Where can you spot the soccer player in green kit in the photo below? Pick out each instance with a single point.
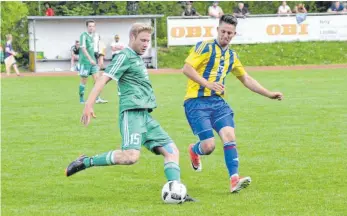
(87, 62)
(136, 101)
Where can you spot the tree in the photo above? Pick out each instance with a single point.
(17, 25)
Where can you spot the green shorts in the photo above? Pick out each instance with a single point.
(86, 70)
(138, 128)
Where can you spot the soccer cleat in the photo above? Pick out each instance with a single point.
(238, 183)
(190, 199)
(101, 101)
(195, 159)
(75, 166)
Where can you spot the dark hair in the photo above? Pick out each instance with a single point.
(77, 41)
(227, 18)
(89, 21)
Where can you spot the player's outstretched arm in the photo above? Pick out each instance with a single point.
(88, 111)
(254, 86)
(191, 73)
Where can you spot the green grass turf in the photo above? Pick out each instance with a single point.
(294, 150)
(293, 53)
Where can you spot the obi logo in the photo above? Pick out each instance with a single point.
(191, 31)
(287, 29)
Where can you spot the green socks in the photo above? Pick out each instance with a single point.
(81, 90)
(172, 171)
(104, 159)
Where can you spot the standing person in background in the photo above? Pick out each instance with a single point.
(284, 8)
(336, 7)
(75, 51)
(9, 60)
(215, 11)
(300, 8)
(96, 39)
(102, 53)
(189, 10)
(116, 46)
(301, 13)
(49, 9)
(87, 60)
(241, 11)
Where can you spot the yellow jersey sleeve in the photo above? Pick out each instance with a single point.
(198, 54)
(237, 69)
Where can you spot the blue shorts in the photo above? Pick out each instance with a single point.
(207, 113)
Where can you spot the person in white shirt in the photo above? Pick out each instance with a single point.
(284, 8)
(215, 11)
(96, 38)
(116, 46)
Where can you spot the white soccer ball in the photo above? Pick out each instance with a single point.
(174, 192)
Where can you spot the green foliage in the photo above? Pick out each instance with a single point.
(84, 9)
(295, 53)
(13, 21)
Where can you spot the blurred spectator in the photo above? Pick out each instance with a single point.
(102, 53)
(215, 11)
(284, 8)
(75, 51)
(301, 13)
(9, 60)
(49, 9)
(132, 7)
(189, 10)
(336, 7)
(300, 8)
(116, 46)
(241, 11)
(96, 38)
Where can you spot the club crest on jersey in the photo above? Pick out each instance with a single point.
(220, 69)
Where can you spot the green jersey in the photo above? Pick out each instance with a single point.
(87, 41)
(134, 87)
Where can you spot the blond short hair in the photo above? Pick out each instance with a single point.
(137, 28)
(8, 36)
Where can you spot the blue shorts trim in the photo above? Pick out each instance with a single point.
(208, 113)
(204, 135)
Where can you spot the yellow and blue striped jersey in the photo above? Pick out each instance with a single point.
(213, 63)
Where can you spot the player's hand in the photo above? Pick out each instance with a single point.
(218, 87)
(92, 62)
(276, 96)
(88, 113)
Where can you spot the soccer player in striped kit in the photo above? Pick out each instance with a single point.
(207, 66)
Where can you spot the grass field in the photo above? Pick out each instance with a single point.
(294, 150)
(270, 54)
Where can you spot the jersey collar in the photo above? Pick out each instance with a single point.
(131, 50)
(224, 50)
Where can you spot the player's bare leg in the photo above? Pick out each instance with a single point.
(237, 183)
(101, 63)
(72, 63)
(116, 157)
(15, 67)
(171, 164)
(203, 147)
